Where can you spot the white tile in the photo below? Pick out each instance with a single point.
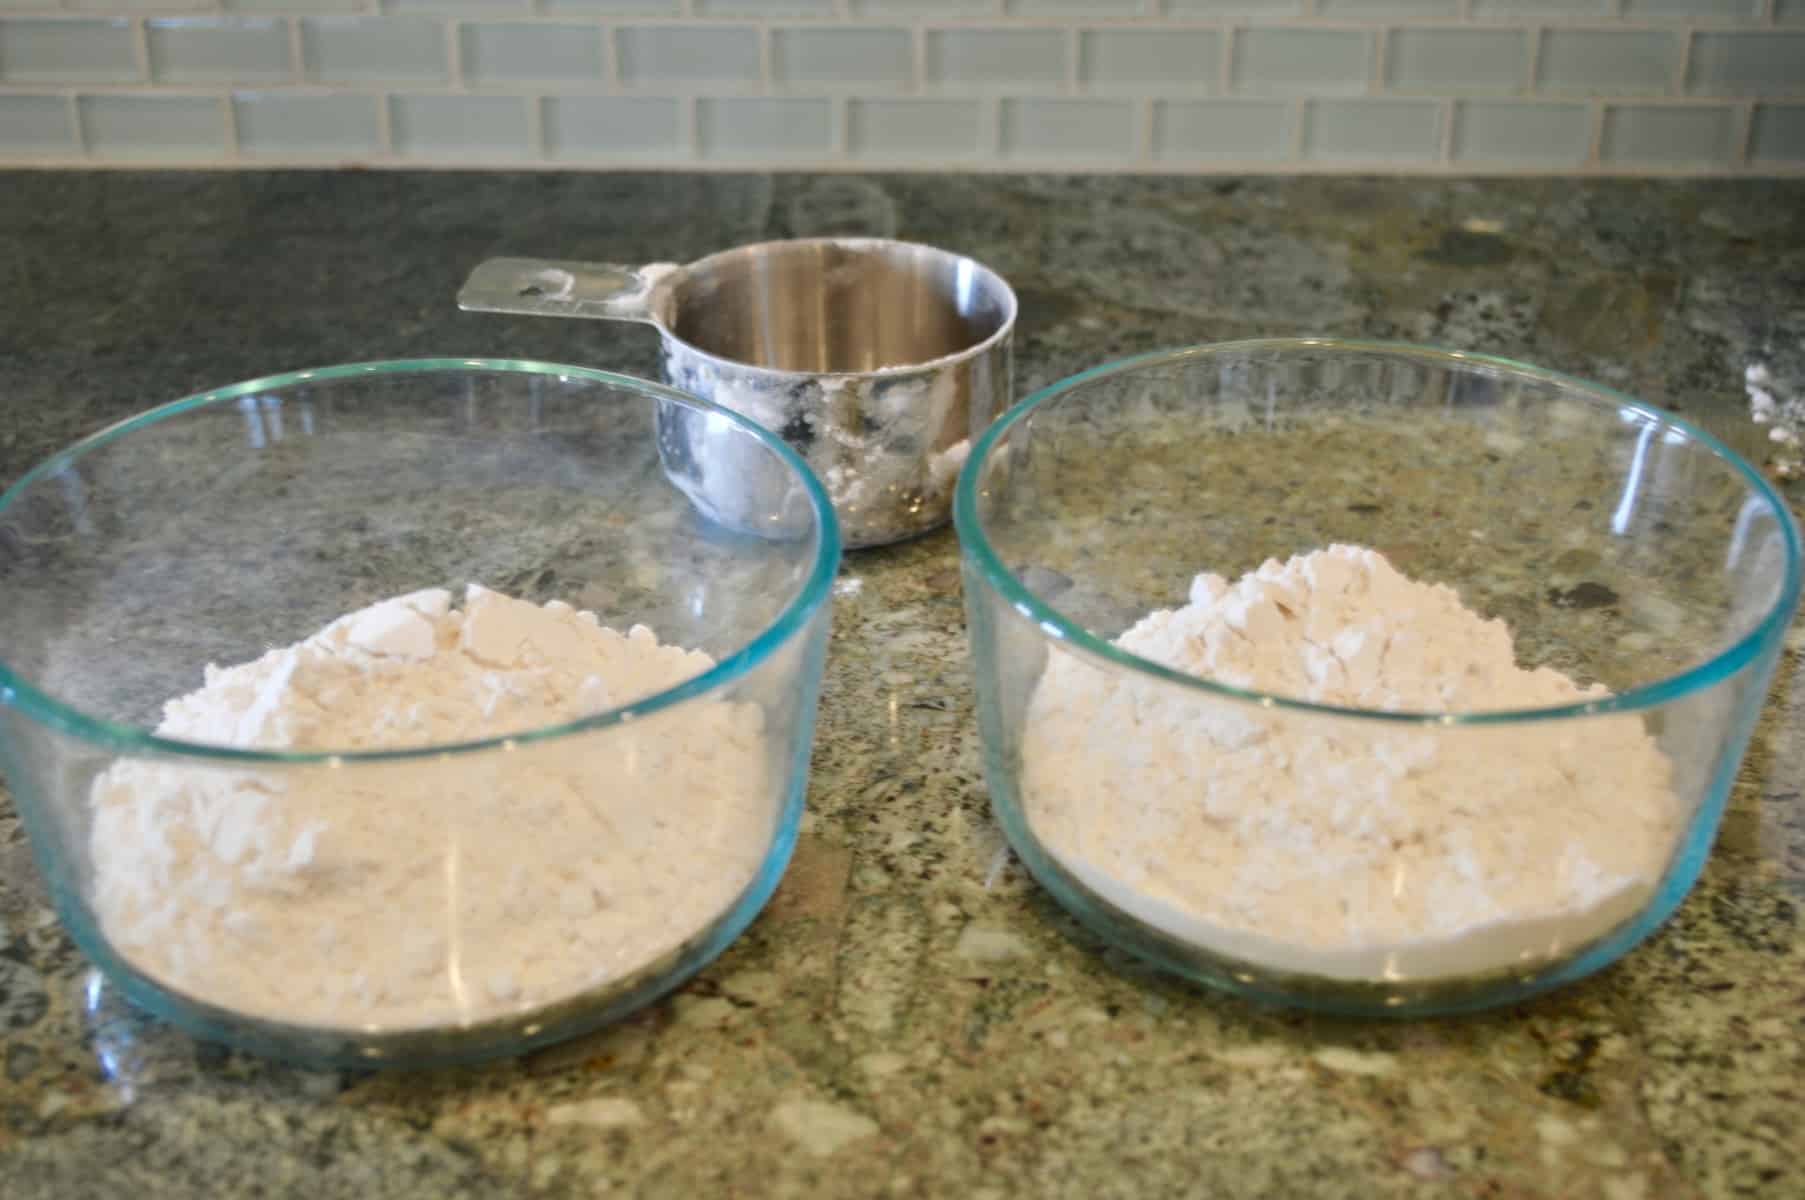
(1594, 60)
(661, 55)
(614, 8)
(1089, 9)
(382, 49)
(1778, 135)
(1363, 9)
(307, 125)
(1084, 129)
(1786, 11)
(996, 57)
(1692, 10)
(764, 8)
(1542, 133)
(33, 126)
(450, 127)
(1150, 59)
(761, 128)
(218, 49)
(1667, 135)
(880, 59)
(1375, 131)
(87, 51)
(928, 131)
(145, 126)
(1221, 129)
(1543, 10)
(1320, 61)
(1210, 9)
(456, 8)
(898, 9)
(123, 7)
(9, 5)
(1747, 64)
(1457, 60)
(543, 52)
(299, 7)
(613, 127)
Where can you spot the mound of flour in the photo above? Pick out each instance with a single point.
(1334, 846)
(431, 891)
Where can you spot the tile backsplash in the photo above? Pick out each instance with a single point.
(1451, 86)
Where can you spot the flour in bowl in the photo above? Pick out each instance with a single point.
(434, 890)
(1336, 846)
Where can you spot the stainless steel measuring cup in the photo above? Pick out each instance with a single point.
(879, 361)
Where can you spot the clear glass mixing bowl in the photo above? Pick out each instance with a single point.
(1623, 546)
(215, 527)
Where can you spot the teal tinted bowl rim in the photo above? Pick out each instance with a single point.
(118, 736)
(994, 573)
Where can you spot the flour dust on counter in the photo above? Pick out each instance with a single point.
(1336, 845)
(433, 889)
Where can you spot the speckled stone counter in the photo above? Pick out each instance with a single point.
(911, 1016)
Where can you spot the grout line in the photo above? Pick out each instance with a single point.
(1230, 35)
(837, 140)
(990, 126)
(766, 75)
(535, 128)
(1595, 142)
(1379, 53)
(1143, 134)
(297, 59)
(1534, 66)
(919, 49)
(141, 49)
(1179, 167)
(385, 125)
(1742, 139)
(80, 126)
(1299, 115)
(1073, 48)
(610, 60)
(1446, 154)
(1685, 67)
(689, 127)
(229, 114)
(454, 52)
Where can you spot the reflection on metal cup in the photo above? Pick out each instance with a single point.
(877, 360)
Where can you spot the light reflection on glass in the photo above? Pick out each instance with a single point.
(1752, 508)
(1626, 508)
(253, 424)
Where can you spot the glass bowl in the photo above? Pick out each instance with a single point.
(213, 528)
(1623, 547)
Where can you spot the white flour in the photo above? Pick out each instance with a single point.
(1337, 846)
(440, 890)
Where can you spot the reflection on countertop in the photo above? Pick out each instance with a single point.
(911, 1016)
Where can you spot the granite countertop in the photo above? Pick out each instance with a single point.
(911, 1016)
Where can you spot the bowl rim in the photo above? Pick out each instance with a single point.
(671, 284)
(816, 589)
(976, 548)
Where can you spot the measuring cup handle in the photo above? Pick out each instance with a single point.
(553, 288)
